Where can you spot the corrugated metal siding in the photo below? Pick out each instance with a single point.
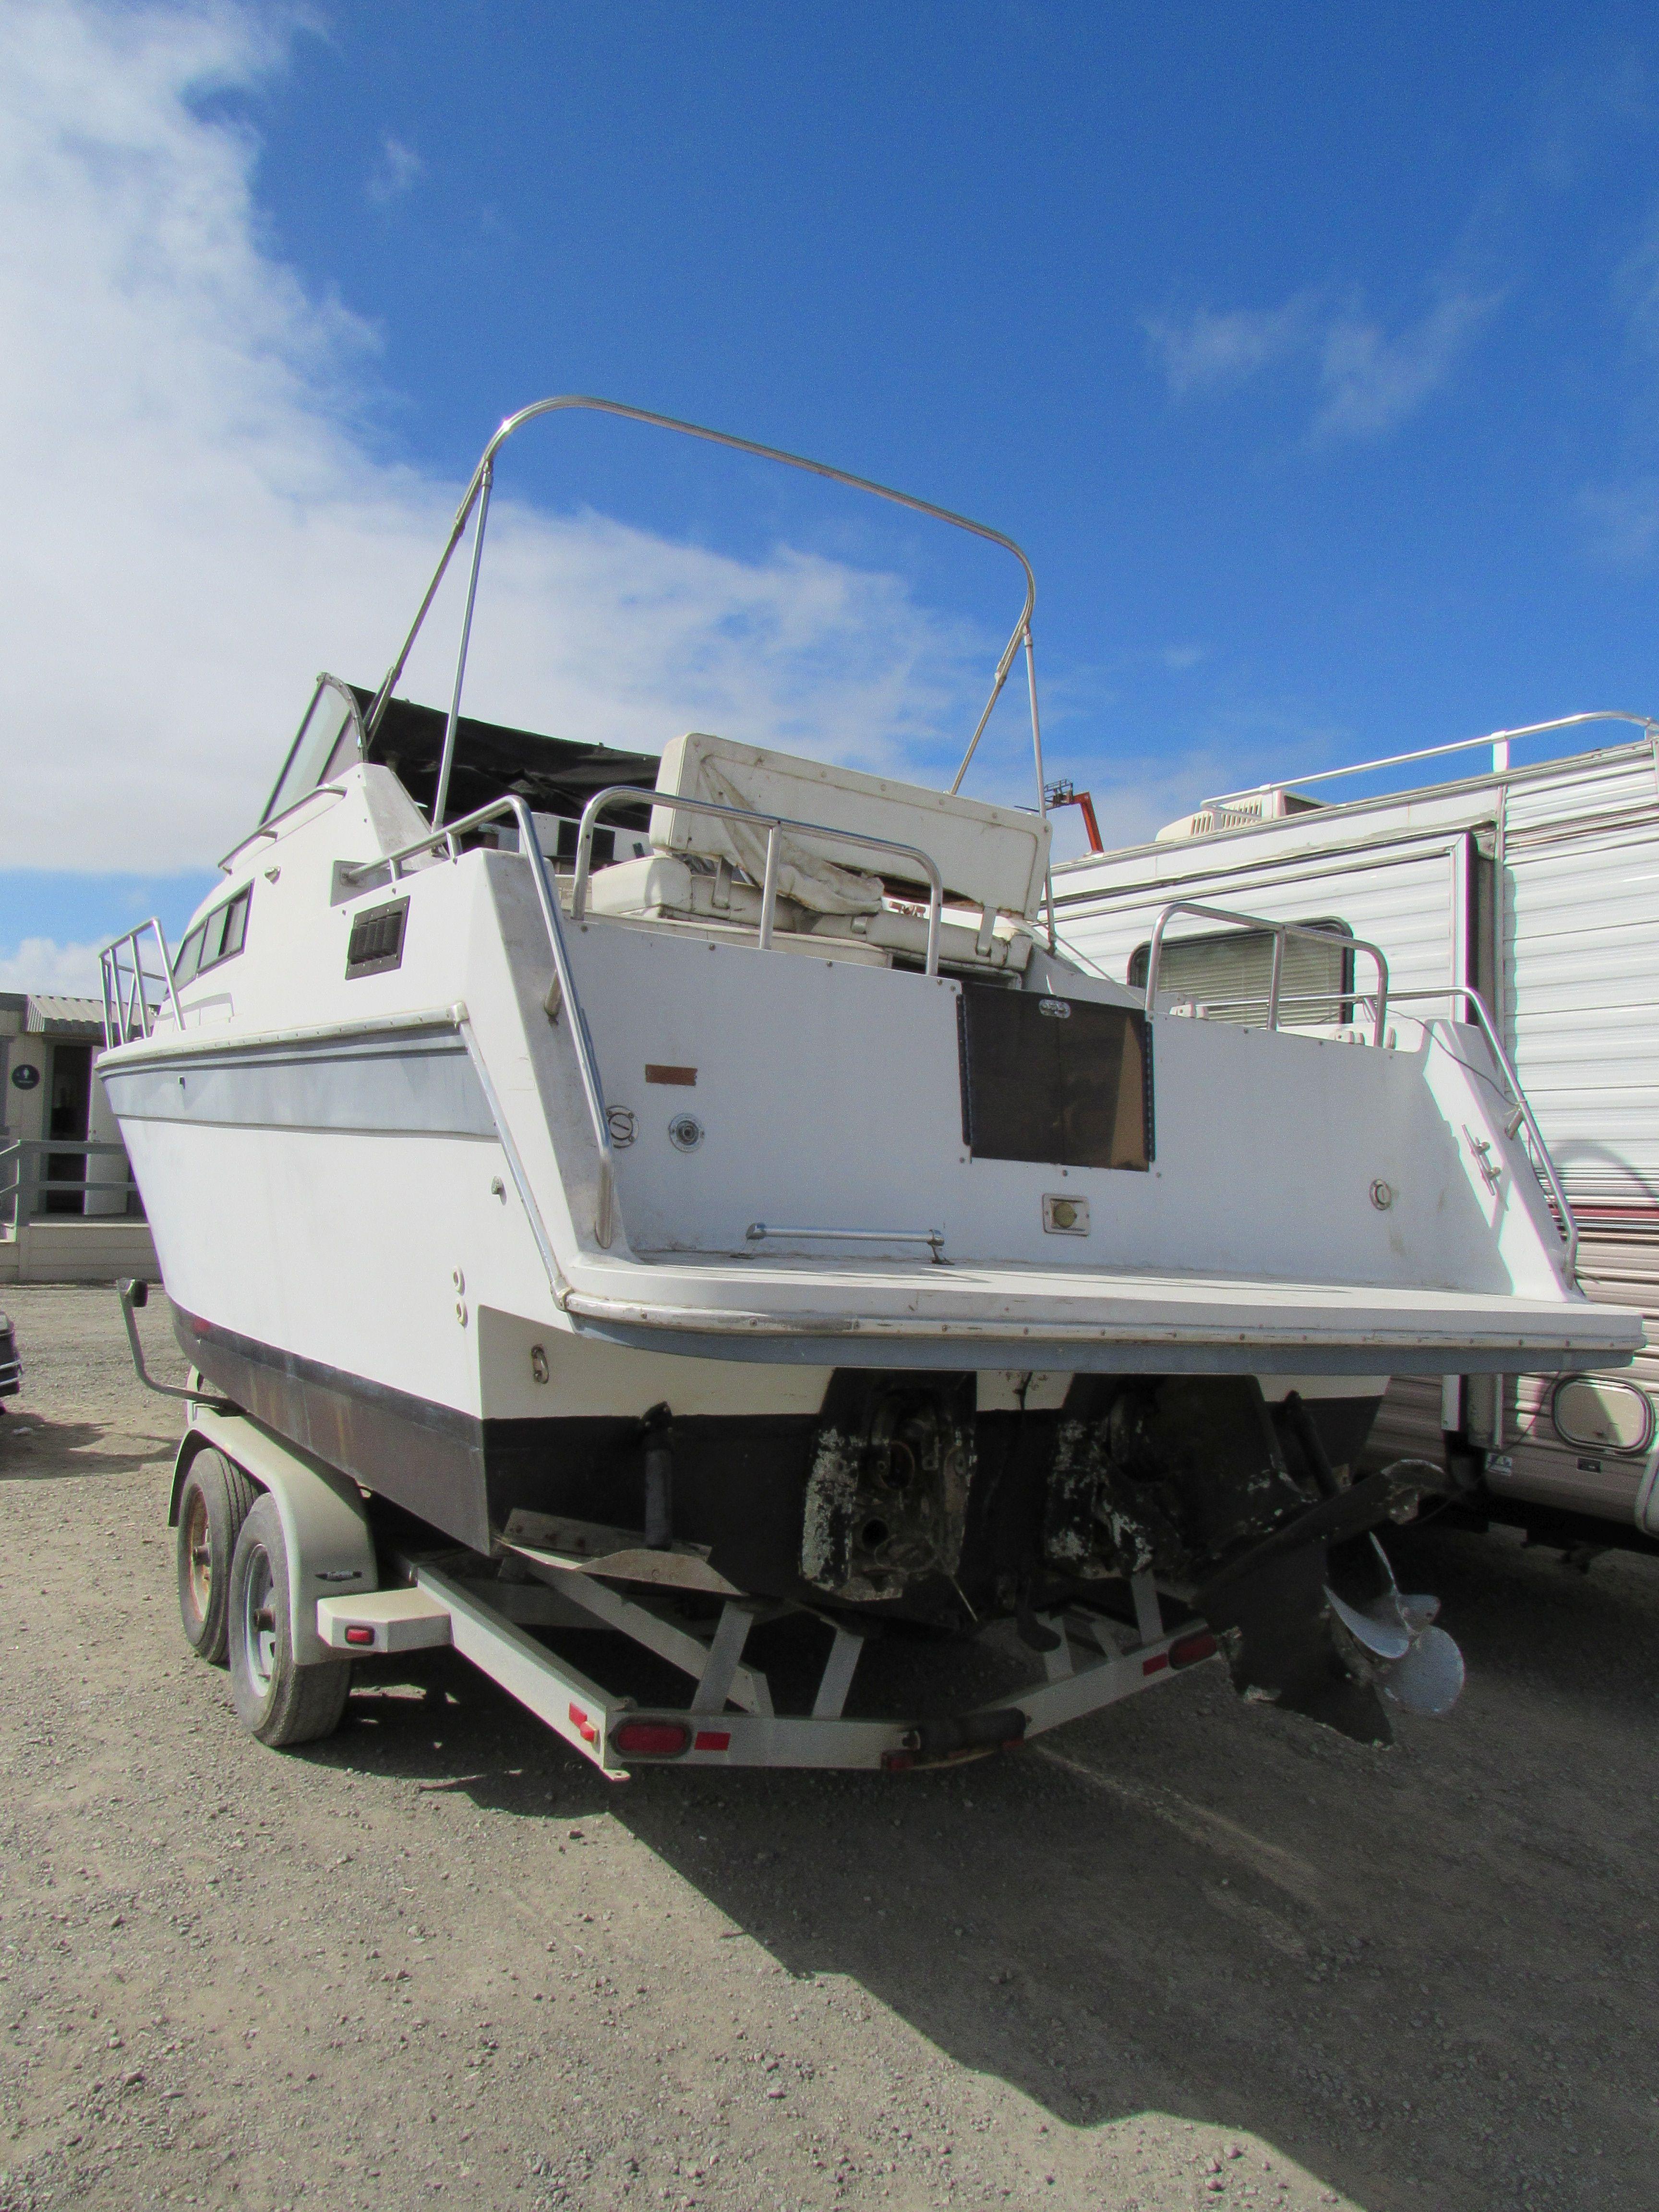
(1401, 902)
(1578, 791)
(1580, 957)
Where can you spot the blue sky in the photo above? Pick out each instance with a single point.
(1313, 355)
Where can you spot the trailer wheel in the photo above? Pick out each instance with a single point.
(276, 1701)
(215, 1500)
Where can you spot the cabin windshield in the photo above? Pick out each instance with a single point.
(556, 775)
(329, 739)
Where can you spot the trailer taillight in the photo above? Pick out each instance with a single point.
(1187, 1651)
(652, 1739)
(360, 1635)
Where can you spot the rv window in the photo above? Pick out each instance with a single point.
(1226, 974)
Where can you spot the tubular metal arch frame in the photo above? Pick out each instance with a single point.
(477, 495)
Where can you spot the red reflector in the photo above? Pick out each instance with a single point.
(713, 1739)
(659, 1739)
(583, 1727)
(897, 1762)
(1155, 1665)
(360, 1636)
(1187, 1651)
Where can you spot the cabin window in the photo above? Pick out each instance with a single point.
(1226, 974)
(1067, 1082)
(219, 937)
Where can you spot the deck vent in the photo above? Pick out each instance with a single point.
(377, 940)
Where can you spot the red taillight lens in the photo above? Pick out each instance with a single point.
(1187, 1651)
(652, 1739)
(360, 1636)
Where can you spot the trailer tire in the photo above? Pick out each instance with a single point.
(278, 1702)
(214, 1499)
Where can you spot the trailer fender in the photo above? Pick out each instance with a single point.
(330, 1552)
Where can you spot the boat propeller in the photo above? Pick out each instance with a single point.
(1392, 1644)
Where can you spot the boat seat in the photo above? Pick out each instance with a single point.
(668, 887)
(668, 883)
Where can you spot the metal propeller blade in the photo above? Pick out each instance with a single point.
(1378, 1630)
(1429, 1679)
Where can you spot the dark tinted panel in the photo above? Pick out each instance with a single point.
(235, 930)
(1064, 1081)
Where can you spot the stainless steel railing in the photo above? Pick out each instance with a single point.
(478, 496)
(129, 1009)
(1543, 1163)
(1281, 931)
(1497, 742)
(25, 1192)
(774, 825)
(547, 897)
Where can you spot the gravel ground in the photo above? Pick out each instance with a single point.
(1188, 1952)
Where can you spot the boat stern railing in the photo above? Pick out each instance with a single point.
(1281, 932)
(1521, 1116)
(129, 1009)
(447, 839)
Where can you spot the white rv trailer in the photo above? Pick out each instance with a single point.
(1535, 885)
(759, 1215)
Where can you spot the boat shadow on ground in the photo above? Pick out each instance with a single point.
(1390, 1965)
(35, 1449)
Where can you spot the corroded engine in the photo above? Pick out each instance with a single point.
(915, 1500)
(887, 1498)
(1165, 1473)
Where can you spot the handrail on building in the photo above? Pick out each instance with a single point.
(1497, 740)
(129, 1012)
(20, 1161)
(774, 825)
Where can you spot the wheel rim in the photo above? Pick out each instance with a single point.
(259, 1621)
(199, 1552)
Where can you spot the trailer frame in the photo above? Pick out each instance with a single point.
(350, 1596)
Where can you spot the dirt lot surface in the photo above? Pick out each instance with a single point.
(1194, 1953)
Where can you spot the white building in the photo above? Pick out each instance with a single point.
(67, 1210)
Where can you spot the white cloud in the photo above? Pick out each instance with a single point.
(1622, 520)
(1207, 351)
(1367, 380)
(49, 969)
(1371, 382)
(398, 171)
(193, 526)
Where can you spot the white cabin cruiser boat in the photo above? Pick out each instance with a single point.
(704, 1176)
